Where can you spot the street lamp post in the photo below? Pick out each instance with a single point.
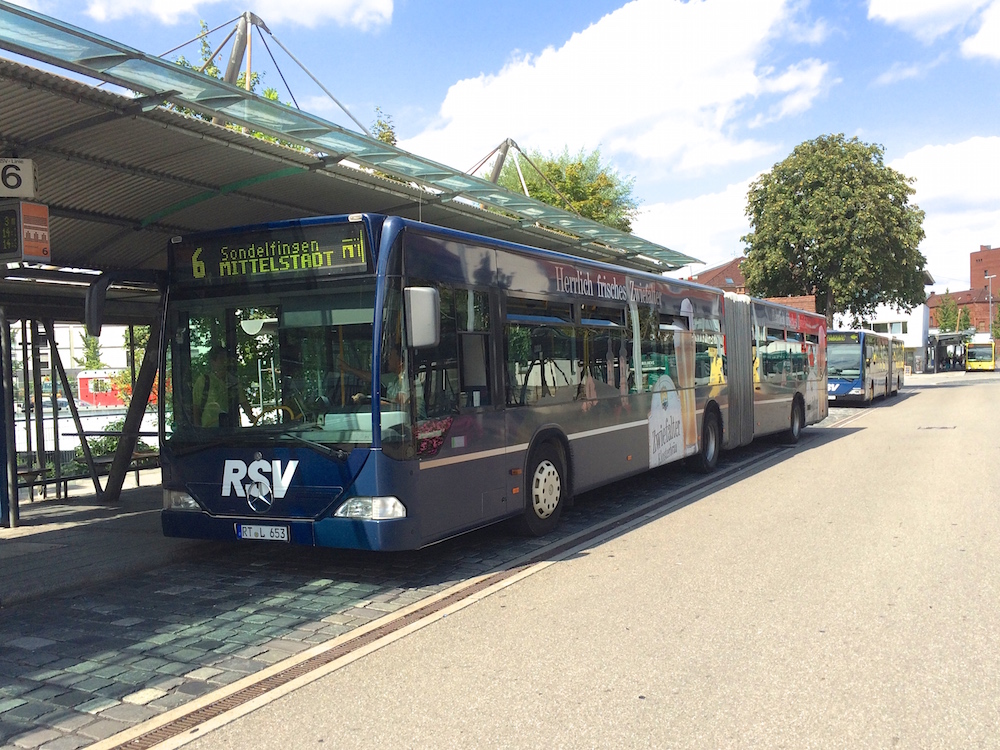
(989, 322)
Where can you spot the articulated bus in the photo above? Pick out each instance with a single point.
(980, 355)
(373, 382)
(863, 365)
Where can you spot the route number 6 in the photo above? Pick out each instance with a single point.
(197, 265)
(10, 175)
(17, 178)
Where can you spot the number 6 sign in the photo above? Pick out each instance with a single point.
(17, 178)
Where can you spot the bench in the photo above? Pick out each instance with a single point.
(139, 460)
(34, 476)
(27, 476)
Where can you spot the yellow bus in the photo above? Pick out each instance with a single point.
(980, 356)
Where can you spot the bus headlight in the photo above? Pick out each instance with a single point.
(856, 392)
(371, 508)
(176, 500)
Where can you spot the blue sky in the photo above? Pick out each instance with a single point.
(692, 99)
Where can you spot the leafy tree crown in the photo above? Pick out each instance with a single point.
(833, 221)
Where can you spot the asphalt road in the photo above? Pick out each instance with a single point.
(844, 596)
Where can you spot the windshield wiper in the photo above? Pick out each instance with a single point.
(295, 434)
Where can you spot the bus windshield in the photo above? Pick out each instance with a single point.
(295, 366)
(979, 353)
(843, 360)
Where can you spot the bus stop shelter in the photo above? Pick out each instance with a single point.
(122, 173)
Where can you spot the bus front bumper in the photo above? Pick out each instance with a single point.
(343, 533)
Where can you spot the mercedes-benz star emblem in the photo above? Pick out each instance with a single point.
(258, 494)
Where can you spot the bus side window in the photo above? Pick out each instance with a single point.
(540, 352)
(474, 355)
(472, 316)
(435, 368)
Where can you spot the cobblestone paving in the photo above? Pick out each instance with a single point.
(84, 666)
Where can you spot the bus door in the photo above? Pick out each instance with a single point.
(775, 386)
(459, 428)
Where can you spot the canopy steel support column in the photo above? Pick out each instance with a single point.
(73, 410)
(9, 515)
(29, 414)
(136, 411)
(54, 397)
(36, 378)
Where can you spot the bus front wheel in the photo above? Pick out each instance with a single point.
(546, 490)
(708, 458)
(796, 422)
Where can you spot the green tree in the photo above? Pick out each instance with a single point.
(595, 190)
(947, 313)
(833, 221)
(995, 328)
(91, 359)
(122, 380)
(141, 336)
(964, 319)
(382, 128)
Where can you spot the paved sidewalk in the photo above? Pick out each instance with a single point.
(62, 545)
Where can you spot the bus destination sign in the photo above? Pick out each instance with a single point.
(282, 254)
(842, 338)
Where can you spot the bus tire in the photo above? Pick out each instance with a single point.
(707, 458)
(545, 488)
(796, 422)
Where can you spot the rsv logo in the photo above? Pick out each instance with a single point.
(261, 482)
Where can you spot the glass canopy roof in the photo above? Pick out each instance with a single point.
(46, 39)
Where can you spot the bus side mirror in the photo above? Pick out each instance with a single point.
(423, 316)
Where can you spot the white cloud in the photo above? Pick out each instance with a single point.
(905, 71)
(960, 198)
(957, 173)
(925, 19)
(986, 41)
(166, 11)
(659, 80)
(801, 84)
(708, 227)
(363, 14)
(360, 14)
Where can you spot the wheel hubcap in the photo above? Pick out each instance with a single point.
(546, 487)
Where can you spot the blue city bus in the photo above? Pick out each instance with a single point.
(863, 365)
(372, 382)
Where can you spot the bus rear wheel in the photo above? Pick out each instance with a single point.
(796, 422)
(708, 458)
(546, 490)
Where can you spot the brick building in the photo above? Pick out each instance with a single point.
(984, 270)
(729, 277)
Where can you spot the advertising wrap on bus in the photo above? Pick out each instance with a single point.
(376, 383)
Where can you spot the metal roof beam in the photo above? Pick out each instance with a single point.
(141, 104)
